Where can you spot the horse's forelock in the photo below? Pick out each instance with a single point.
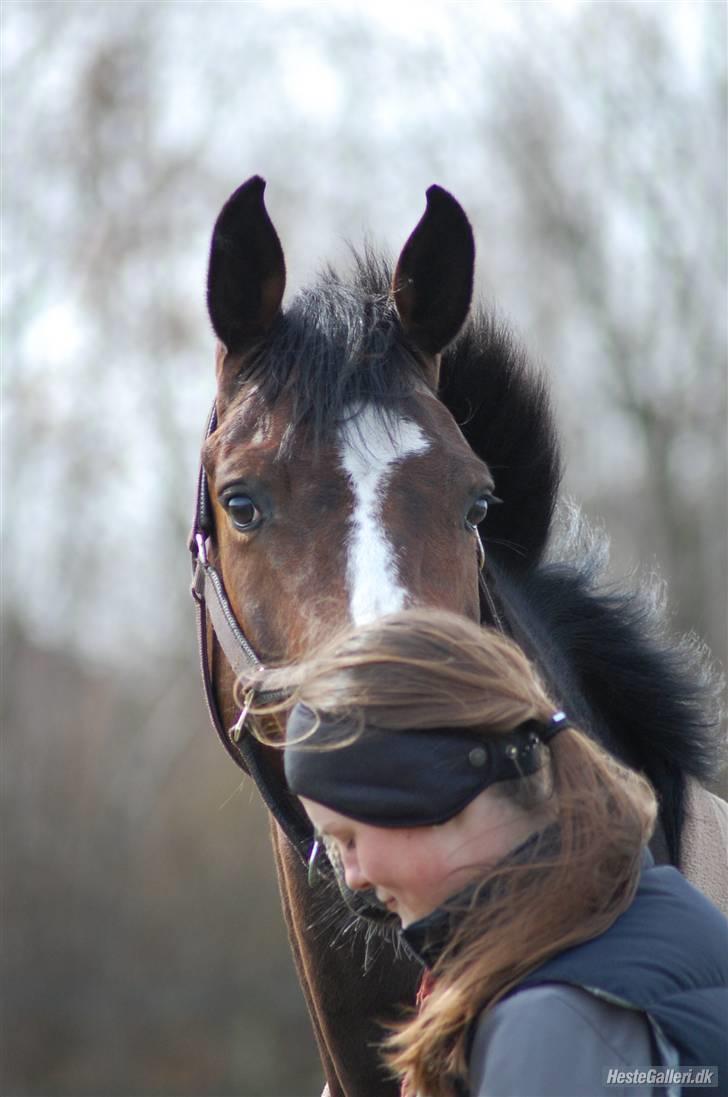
(339, 346)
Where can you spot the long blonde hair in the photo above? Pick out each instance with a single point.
(425, 668)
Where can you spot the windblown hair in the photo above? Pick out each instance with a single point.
(425, 668)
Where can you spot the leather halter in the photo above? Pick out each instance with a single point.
(213, 608)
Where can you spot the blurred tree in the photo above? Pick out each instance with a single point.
(623, 205)
(143, 950)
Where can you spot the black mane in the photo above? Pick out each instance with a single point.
(502, 405)
(650, 698)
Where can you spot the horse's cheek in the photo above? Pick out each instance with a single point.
(447, 573)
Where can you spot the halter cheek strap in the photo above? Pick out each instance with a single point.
(213, 607)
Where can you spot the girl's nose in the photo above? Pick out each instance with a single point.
(355, 878)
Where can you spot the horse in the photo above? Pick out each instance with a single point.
(379, 444)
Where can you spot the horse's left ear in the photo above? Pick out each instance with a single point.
(247, 272)
(433, 282)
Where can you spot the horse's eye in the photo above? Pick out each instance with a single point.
(477, 512)
(243, 511)
(479, 509)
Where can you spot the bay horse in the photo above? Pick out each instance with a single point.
(358, 446)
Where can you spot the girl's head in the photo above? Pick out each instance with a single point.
(404, 711)
(403, 750)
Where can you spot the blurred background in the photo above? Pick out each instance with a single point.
(143, 951)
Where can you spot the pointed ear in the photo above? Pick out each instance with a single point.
(433, 282)
(247, 272)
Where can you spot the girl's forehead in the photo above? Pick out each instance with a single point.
(325, 820)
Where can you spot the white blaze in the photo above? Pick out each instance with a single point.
(371, 446)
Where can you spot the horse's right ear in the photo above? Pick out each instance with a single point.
(433, 282)
(247, 272)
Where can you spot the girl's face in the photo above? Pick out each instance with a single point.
(413, 870)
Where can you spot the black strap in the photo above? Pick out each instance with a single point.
(245, 750)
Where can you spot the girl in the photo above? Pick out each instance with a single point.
(511, 851)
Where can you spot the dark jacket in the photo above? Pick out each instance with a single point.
(666, 957)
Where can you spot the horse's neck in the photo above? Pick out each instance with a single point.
(705, 841)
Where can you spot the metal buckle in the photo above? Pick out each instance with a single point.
(201, 542)
(238, 727)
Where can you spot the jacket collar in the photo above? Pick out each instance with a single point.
(425, 939)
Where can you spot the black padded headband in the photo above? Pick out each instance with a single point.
(404, 778)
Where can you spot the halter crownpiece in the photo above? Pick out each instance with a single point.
(405, 778)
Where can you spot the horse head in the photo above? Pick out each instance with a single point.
(342, 488)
